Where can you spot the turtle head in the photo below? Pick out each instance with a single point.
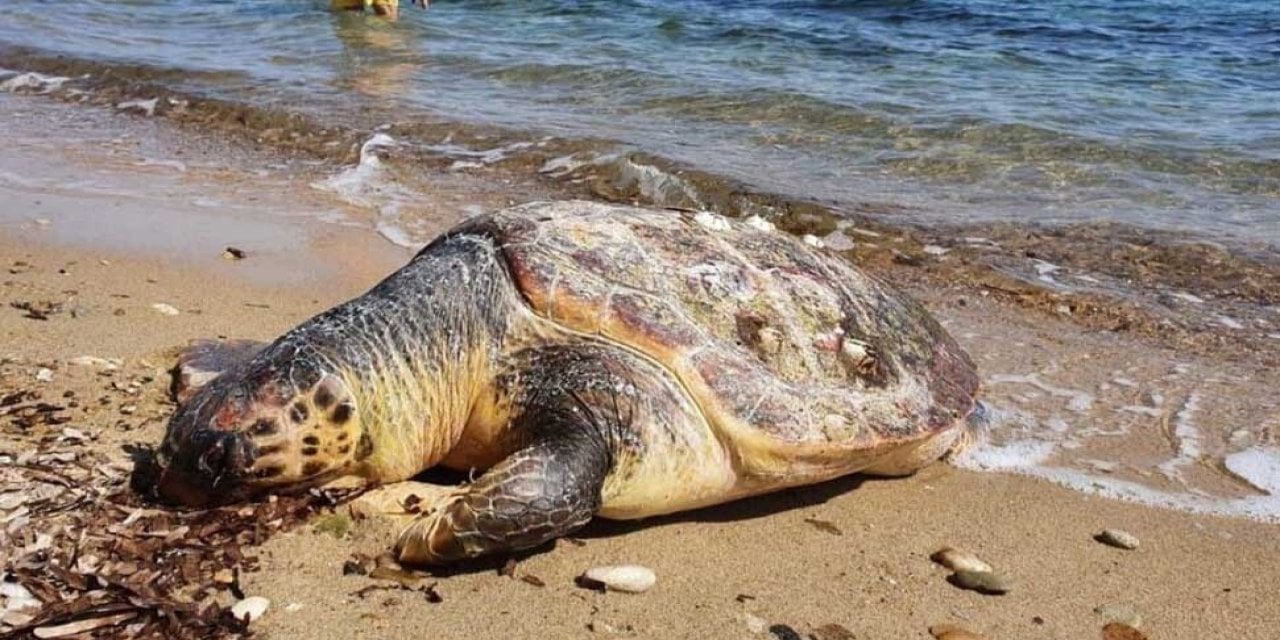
(259, 429)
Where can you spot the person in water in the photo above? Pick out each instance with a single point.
(389, 9)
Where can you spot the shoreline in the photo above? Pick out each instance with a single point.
(1187, 292)
(873, 577)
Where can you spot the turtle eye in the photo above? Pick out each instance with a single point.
(212, 459)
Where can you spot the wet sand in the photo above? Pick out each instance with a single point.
(852, 552)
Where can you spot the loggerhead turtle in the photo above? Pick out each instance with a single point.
(592, 360)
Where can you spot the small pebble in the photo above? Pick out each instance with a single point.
(165, 309)
(1118, 539)
(832, 631)
(957, 560)
(953, 632)
(252, 608)
(44, 375)
(980, 581)
(627, 578)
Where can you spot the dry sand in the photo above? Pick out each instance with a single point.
(852, 552)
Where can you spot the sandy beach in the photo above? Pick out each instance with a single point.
(102, 218)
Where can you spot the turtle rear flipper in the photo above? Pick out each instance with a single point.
(203, 360)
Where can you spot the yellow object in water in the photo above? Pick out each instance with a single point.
(387, 8)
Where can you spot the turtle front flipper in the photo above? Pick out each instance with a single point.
(573, 411)
(541, 492)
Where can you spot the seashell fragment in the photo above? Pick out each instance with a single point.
(109, 364)
(627, 578)
(250, 608)
(165, 309)
(957, 560)
(981, 581)
(1118, 539)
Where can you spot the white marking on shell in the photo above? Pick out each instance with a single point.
(858, 353)
(835, 427)
(770, 340)
(711, 221)
(719, 278)
(756, 222)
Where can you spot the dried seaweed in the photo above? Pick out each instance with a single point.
(38, 310)
(98, 562)
(825, 526)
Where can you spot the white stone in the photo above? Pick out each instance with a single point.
(957, 560)
(253, 607)
(1118, 539)
(628, 578)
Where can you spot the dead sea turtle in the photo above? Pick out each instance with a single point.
(590, 360)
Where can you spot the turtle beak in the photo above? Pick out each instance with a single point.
(207, 470)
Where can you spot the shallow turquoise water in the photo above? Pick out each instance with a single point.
(1165, 114)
